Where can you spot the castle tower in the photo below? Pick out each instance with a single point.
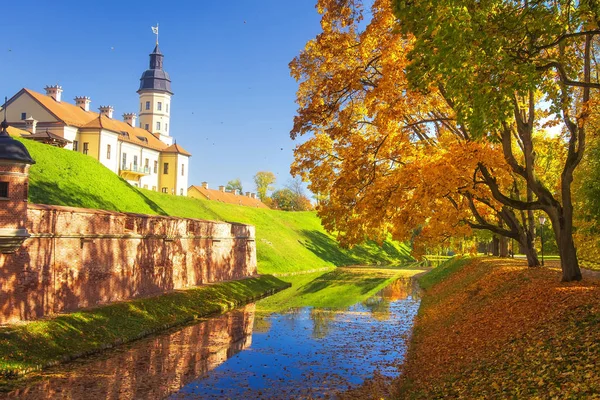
(155, 98)
(14, 182)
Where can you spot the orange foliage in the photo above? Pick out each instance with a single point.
(499, 329)
(385, 159)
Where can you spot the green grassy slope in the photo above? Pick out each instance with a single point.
(286, 241)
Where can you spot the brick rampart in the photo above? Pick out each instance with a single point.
(79, 258)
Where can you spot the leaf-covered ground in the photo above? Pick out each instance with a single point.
(497, 329)
(491, 328)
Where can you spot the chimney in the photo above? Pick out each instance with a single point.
(205, 185)
(222, 189)
(54, 91)
(30, 124)
(106, 111)
(247, 194)
(130, 118)
(83, 102)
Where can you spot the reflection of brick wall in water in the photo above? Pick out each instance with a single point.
(79, 258)
(152, 368)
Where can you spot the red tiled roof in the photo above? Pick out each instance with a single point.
(175, 148)
(73, 115)
(227, 197)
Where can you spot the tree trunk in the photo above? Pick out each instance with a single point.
(503, 246)
(562, 224)
(495, 246)
(526, 246)
(568, 257)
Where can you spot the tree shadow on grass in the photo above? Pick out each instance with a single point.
(326, 248)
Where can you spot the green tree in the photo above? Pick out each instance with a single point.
(495, 62)
(234, 184)
(264, 181)
(283, 199)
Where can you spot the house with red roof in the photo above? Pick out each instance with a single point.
(141, 151)
(224, 196)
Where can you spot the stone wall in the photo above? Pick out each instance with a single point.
(79, 258)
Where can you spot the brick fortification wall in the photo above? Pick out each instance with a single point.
(81, 258)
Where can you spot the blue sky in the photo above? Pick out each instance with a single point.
(233, 106)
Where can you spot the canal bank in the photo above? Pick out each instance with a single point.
(27, 348)
(494, 328)
(326, 333)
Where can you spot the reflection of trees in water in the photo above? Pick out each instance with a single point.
(400, 289)
(151, 368)
(379, 306)
(322, 320)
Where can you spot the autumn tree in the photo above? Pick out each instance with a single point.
(264, 181)
(234, 184)
(291, 197)
(496, 61)
(385, 158)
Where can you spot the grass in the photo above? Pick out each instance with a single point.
(33, 346)
(492, 328)
(335, 289)
(286, 241)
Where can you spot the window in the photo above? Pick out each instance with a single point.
(108, 151)
(3, 190)
(164, 190)
(166, 127)
(182, 169)
(154, 188)
(147, 105)
(86, 147)
(145, 186)
(25, 191)
(158, 125)
(156, 167)
(181, 192)
(166, 168)
(23, 115)
(124, 162)
(147, 127)
(147, 166)
(140, 107)
(159, 106)
(135, 163)
(167, 108)
(75, 145)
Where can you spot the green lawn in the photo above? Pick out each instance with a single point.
(30, 347)
(286, 241)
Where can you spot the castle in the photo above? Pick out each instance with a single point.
(143, 153)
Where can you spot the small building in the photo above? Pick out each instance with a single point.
(229, 197)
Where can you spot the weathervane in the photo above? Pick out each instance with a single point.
(155, 31)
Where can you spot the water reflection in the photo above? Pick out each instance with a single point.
(314, 352)
(300, 352)
(151, 368)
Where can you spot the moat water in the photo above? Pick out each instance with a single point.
(250, 353)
